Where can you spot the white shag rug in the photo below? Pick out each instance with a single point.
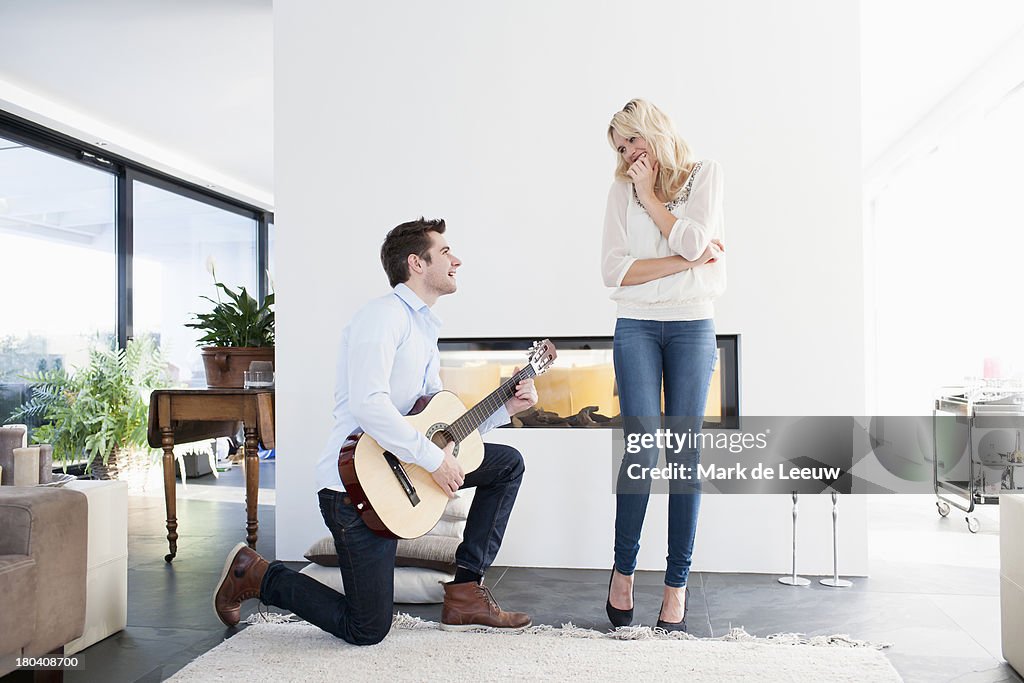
(418, 650)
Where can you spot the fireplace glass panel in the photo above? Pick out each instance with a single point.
(579, 389)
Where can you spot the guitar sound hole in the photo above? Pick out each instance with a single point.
(440, 439)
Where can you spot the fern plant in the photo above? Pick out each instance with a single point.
(97, 410)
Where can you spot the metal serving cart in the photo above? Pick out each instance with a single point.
(985, 403)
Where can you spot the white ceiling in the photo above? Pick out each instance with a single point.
(190, 82)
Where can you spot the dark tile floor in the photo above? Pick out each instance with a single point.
(928, 612)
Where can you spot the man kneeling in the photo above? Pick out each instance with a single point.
(389, 359)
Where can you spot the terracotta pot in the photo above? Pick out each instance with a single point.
(225, 365)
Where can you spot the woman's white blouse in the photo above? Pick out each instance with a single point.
(630, 234)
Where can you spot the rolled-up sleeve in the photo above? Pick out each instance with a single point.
(701, 219)
(615, 257)
(372, 347)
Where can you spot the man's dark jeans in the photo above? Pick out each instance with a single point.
(367, 561)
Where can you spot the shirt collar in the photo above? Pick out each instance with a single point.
(415, 302)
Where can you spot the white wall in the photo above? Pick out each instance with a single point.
(493, 115)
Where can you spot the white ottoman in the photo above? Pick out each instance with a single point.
(106, 592)
(1011, 577)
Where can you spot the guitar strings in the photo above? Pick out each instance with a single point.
(472, 419)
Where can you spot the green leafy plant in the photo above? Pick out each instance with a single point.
(239, 320)
(97, 410)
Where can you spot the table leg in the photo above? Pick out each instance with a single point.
(252, 485)
(167, 442)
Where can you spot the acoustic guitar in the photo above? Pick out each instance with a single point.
(401, 500)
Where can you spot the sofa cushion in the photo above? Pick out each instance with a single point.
(434, 550)
(323, 552)
(458, 507)
(430, 552)
(449, 528)
(18, 585)
(412, 584)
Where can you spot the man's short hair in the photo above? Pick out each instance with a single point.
(407, 238)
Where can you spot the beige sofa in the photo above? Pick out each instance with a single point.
(43, 539)
(1011, 577)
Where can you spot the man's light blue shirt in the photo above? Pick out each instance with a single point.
(388, 359)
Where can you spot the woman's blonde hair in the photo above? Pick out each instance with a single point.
(674, 157)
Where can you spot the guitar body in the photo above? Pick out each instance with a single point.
(384, 504)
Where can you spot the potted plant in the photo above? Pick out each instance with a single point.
(99, 412)
(238, 331)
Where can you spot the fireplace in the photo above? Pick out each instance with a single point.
(579, 391)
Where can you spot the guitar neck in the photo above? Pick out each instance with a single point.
(475, 416)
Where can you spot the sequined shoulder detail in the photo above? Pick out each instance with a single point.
(683, 197)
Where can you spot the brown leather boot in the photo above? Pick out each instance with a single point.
(471, 605)
(240, 580)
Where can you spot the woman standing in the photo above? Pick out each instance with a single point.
(662, 252)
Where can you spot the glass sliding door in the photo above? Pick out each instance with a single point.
(175, 238)
(57, 265)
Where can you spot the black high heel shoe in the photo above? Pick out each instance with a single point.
(675, 625)
(618, 617)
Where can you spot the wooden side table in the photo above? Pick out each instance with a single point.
(185, 415)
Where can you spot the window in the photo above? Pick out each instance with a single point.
(57, 250)
(94, 248)
(175, 237)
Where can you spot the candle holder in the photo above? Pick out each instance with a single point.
(835, 581)
(11, 437)
(26, 466)
(45, 463)
(794, 580)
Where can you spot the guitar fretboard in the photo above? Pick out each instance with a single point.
(475, 416)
